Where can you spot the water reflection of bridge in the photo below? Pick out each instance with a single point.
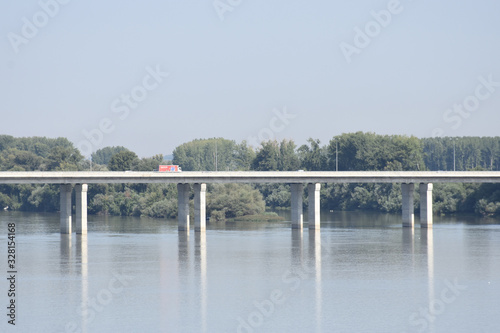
(308, 256)
(296, 179)
(305, 264)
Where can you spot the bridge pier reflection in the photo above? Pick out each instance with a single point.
(82, 258)
(192, 275)
(306, 263)
(315, 263)
(200, 261)
(427, 245)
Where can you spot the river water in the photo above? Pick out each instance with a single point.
(362, 272)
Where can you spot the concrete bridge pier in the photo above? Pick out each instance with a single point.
(65, 208)
(426, 205)
(183, 206)
(200, 209)
(408, 215)
(313, 191)
(81, 208)
(296, 203)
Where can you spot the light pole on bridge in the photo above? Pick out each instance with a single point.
(454, 140)
(336, 155)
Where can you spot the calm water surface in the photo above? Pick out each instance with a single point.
(361, 273)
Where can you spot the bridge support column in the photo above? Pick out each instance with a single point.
(296, 202)
(314, 206)
(81, 208)
(200, 208)
(183, 206)
(65, 208)
(426, 205)
(408, 216)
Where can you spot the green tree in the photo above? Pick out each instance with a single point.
(313, 157)
(45, 198)
(275, 195)
(64, 158)
(122, 161)
(288, 159)
(274, 156)
(243, 157)
(6, 141)
(371, 152)
(147, 164)
(267, 158)
(470, 153)
(103, 155)
(448, 197)
(213, 154)
(104, 204)
(25, 160)
(234, 200)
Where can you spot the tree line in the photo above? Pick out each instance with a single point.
(347, 152)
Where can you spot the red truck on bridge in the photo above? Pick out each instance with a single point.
(169, 168)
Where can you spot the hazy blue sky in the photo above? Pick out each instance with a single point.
(432, 67)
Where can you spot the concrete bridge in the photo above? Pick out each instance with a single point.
(296, 179)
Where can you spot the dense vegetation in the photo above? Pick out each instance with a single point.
(346, 152)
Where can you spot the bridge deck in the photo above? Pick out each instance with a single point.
(86, 177)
